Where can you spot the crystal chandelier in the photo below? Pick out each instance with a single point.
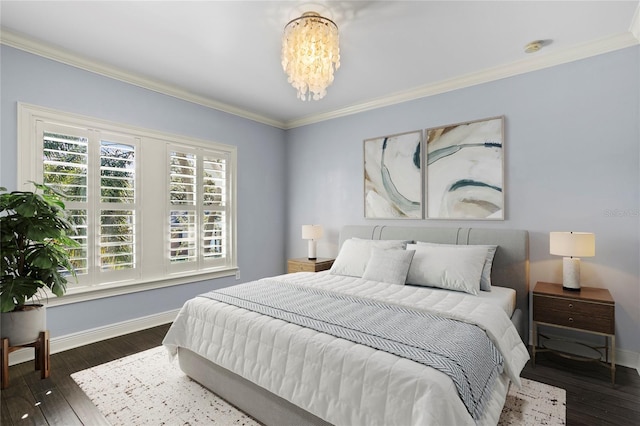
(310, 54)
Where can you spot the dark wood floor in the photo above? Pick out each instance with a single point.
(591, 400)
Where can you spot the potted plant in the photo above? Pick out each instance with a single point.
(35, 254)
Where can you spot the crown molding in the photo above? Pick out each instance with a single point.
(60, 55)
(524, 66)
(532, 63)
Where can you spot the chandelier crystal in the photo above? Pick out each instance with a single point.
(310, 54)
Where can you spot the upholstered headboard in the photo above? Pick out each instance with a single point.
(510, 264)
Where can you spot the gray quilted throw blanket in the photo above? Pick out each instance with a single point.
(460, 350)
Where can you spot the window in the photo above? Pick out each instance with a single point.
(119, 195)
(197, 207)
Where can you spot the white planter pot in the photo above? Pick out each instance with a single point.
(23, 327)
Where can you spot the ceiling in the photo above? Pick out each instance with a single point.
(226, 54)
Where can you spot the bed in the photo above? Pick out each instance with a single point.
(291, 373)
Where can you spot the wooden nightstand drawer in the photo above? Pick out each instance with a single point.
(298, 267)
(575, 314)
(571, 306)
(582, 315)
(306, 265)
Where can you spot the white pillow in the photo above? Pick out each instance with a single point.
(485, 279)
(451, 268)
(388, 266)
(354, 255)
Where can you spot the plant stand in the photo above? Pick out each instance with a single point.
(41, 347)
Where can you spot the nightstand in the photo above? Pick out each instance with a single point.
(306, 265)
(589, 310)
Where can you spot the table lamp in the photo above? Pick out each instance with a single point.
(572, 245)
(312, 233)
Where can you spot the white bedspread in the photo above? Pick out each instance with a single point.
(337, 380)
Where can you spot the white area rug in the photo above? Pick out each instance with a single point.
(145, 388)
(534, 404)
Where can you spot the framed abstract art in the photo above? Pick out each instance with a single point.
(464, 170)
(393, 176)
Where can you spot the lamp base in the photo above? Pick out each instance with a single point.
(571, 273)
(312, 250)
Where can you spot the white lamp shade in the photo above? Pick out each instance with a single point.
(312, 232)
(573, 244)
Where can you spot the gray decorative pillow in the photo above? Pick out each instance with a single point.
(354, 255)
(388, 266)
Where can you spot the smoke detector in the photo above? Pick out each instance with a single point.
(536, 45)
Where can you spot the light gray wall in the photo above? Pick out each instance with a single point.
(261, 171)
(572, 135)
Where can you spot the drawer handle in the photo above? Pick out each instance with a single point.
(571, 305)
(570, 319)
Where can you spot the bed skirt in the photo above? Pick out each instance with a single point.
(254, 400)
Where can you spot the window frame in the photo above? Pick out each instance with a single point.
(153, 271)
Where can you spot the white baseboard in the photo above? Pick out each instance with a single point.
(74, 340)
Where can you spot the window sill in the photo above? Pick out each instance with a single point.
(84, 294)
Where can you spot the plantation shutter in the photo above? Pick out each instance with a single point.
(198, 208)
(215, 195)
(65, 167)
(117, 204)
(183, 216)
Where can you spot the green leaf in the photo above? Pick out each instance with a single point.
(26, 209)
(59, 286)
(42, 260)
(6, 303)
(54, 201)
(18, 290)
(68, 242)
